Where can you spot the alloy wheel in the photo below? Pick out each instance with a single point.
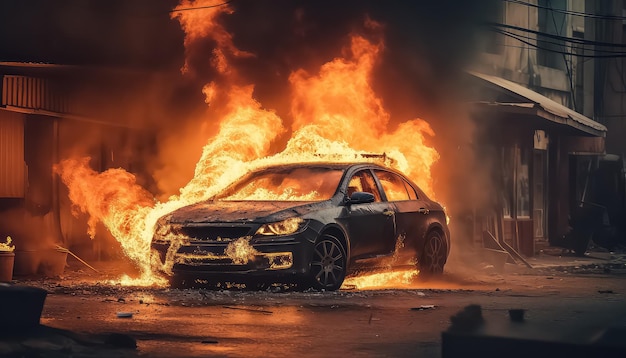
(328, 267)
(434, 254)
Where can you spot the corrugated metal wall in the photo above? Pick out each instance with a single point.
(32, 93)
(12, 166)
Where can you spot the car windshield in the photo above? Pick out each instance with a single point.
(286, 184)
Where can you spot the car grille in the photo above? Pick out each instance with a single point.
(216, 233)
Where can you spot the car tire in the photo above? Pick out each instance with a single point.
(434, 255)
(329, 264)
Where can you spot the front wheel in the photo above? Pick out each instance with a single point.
(434, 255)
(329, 264)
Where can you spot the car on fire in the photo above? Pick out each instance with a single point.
(305, 223)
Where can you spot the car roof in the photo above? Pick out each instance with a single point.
(329, 165)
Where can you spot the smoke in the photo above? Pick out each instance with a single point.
(427, 46)
(119, 33)
(419, 73)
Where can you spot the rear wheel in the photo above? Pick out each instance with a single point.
(434, 255)
(329, 264)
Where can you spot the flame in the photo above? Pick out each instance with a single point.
(381, 279)
(6, 246)
(240, 251)
(336, 115)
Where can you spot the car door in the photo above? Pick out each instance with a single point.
(411, 213)
(370, 225)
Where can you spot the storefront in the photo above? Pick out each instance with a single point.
(541, 152)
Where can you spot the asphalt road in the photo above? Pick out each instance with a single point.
(404, 321)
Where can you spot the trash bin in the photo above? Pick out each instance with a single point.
(53, 262)
(27, 262)
(7, 259)
(47, 262)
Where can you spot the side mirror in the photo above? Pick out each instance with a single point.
(360, 197)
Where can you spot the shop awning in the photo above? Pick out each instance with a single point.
(515, 98)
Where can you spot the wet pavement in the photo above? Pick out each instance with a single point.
(565, 296)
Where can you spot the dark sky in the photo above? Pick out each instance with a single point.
(426, 42)
(136, 33)
(140, 32)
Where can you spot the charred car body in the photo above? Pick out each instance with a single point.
(308, 223)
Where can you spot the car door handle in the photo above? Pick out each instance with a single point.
(423, 211)
(388, 212)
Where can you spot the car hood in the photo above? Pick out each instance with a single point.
(241, 211)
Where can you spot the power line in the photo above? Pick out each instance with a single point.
(523, 40)
(201, 7)
(570, 12)
(557, 37)
(560, 44)
(567, 64)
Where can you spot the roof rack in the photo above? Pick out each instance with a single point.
(382, 158)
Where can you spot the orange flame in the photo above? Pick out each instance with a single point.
(336, 114)
(381, 280)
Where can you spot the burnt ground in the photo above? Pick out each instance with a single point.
(567, 299)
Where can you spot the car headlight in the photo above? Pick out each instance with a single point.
(285, 227)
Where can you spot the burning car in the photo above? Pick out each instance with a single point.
(308, 223)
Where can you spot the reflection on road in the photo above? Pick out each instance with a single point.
(382, 280)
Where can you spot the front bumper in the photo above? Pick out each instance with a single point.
(281, 258)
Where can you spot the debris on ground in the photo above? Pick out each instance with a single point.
(423, 308)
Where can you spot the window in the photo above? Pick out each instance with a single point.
(493, 42)
(411, 191)
(553, 23)
(507, 182)
(394, 187)
(539, 194)
(523, 183)
(288, 184)
(363, 181)
(516, 182)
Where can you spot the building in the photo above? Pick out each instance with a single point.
(550, 108)
(50, 112)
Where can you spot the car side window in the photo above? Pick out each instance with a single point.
(394, 186)
(410, 190)
(363, 181)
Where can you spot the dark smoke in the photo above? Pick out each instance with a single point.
(118, 33)
(428, 45)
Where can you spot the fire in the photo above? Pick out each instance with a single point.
(382, 279)
(240, 251)
(6, 246)
(336, 115)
